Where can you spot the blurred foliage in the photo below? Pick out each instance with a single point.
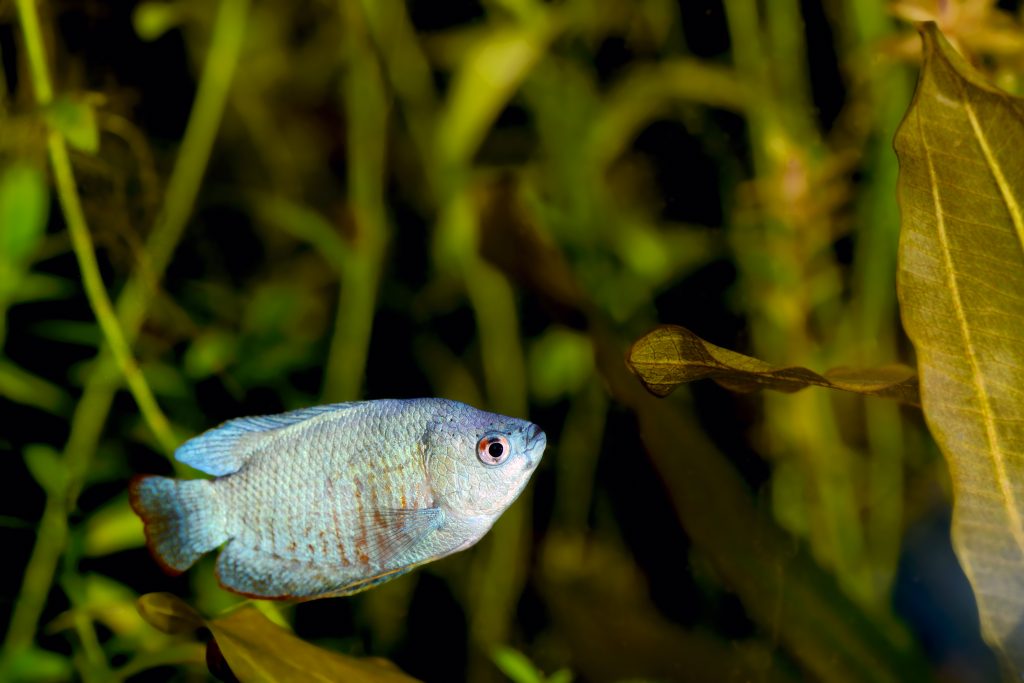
(239, 207)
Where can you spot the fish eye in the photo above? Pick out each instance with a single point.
(493, 449)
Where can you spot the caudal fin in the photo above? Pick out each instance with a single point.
(182, 519)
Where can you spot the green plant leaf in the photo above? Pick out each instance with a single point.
(39, 666)
(649, 91)
(153, 19)
(107, 601)
(560, 361)
(20, 385)
(24, 208)
(516, 665)
(210, 352)
(961, 293)
(113, 528)
(487, 77)
(42, 287)
(671, 355)
(561, 676)
(76, 121)
(46, 467)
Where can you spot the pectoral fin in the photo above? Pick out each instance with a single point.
(392, 534)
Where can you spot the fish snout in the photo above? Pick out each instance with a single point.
(536, 442)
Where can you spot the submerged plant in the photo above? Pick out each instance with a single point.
(236, 208)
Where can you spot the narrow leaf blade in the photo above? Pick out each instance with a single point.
(24, 208)
(671, 355)
(76, 121)
(961, 279)
(515, 665)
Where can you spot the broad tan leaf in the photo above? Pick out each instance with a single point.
(671, 355)
(961, 292)
(259, 651)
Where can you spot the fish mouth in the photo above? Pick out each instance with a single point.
(536, 442)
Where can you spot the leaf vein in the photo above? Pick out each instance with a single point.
(987, 416)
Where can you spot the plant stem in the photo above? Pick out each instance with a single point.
(790, 162)
(98, 395)
(4, 95)
(873, 309)
(29, 20)
(367, 104)
(81, 242)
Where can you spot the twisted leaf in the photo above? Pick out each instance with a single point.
(671, 355)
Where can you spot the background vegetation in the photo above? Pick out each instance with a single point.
(275, 204)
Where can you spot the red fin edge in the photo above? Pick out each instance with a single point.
(134, 499)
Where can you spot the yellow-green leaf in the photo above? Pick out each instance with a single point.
(210, 352)
(488, 76)
(76, 121)
(35, 665)
(516, 665)
(113, 528)
(671, 355)
(24, 208)
(20, 385)
(153, 19)
(560, 361)
(259, 651)
(961, 293)
(46, 467)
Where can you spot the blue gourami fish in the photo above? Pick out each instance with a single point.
(334, 499)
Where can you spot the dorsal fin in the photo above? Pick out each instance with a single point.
(224, 449)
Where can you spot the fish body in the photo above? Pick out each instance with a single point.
(334, 499)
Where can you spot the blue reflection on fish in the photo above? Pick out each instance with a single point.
(332, 500)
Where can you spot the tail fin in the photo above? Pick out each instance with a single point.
(183, 519)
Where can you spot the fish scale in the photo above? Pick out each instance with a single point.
(331, 500)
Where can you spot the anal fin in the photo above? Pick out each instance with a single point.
(257, 574)
(391, 552)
